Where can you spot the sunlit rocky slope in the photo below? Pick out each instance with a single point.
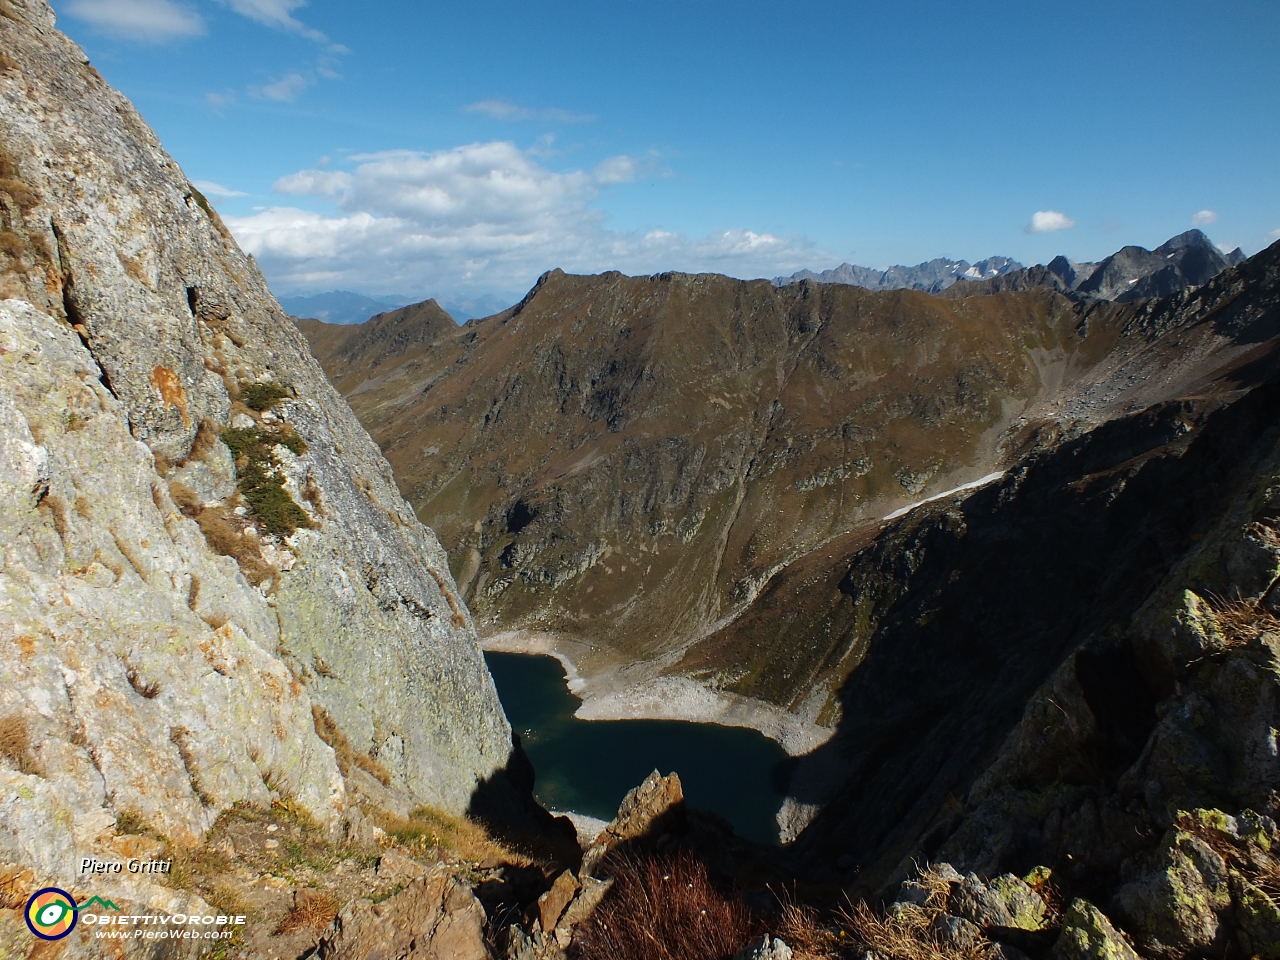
(209, 575)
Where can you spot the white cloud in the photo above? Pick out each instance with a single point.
(482, 216)
(286, 89)
(1274, 235)
(211, 189)
(1204, 218)
(505, 110)
(314, 183)
(148, 21)
(1047, 221)
(278, 14)
(616, 170)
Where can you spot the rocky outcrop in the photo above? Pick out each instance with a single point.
(206, 559)
(436, 917)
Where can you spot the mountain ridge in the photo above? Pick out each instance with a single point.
(810, 429)
(931, 276)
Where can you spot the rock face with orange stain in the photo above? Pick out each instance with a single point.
(164, 634)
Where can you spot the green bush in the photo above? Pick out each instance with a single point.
(261, 487)
(262, 396)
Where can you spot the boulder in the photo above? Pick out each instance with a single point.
(552, 904)
(583, 905)
(531, 946)
(435, 917)
(1006, 901)
(956, 932)
(394, 865)
(654, 808)
(1258, 916)
(1087, 934)
(1174, 907)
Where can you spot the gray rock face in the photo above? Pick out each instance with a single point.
(161, 665)
(1173, 906)
(1088, 935)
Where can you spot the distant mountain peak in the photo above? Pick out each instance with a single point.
(1131, 273)
(931, 276)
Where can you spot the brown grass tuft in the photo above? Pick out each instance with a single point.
(12, 245)
(131, 821)
(15, 744)
(312, 910)
(665, 908)
(206, 437)
(228, 539)
(801, 929)
(7, 63)
(1242, 621)
(26, 198)
(148, 690)
(906, 934)
(347, 755)
(427, 830)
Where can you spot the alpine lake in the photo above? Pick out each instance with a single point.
(587, 766)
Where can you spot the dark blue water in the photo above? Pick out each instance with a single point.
(588, 766)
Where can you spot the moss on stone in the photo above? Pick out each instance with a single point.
(1259, 919)
(1087, 934)
(258, 477)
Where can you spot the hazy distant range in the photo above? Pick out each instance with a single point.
(343, 306)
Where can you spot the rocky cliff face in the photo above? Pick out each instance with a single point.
(206, 559)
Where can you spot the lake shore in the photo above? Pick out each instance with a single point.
(634, 693)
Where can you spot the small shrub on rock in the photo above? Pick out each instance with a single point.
(15, 744)
(262, 396)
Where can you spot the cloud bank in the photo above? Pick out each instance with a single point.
(1047, 221)
(482, 217)
(1204, 218)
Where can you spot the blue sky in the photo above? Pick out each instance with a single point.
(455, 149)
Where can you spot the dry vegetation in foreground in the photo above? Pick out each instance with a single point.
(429, 831)
(15, 744)
(1242, 621)
(311, 911)
(665, 908)
(346, 754)
(907, 933)
(801, 928)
